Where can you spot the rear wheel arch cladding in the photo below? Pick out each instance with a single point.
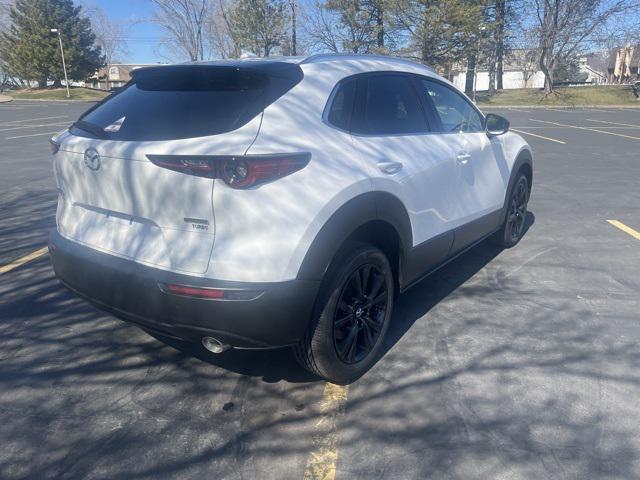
(347, 221)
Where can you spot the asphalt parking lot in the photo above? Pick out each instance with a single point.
(523, 363)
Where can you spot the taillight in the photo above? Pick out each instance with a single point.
(55, 145)
(243, 171)
(56, 140)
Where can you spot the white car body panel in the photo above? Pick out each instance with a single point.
(262, 234)
(133, 209)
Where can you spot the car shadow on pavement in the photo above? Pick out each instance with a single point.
(279, 364)
(421, 298)
(512, 386)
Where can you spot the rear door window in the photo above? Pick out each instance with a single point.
(388, 106)
(185, 101)
(342, 104)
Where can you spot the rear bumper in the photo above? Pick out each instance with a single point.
(277, 317)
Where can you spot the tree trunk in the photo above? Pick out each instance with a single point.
(492, 75)
(294, 50)
(500, 71)
(547, 69)
(471, 73)
(42, 83)
(57, 83)
(501, 13)
(380, 25)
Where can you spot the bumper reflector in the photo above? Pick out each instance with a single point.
(196, 292)
(205, 293)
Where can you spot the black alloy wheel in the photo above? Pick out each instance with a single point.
(514, 225)
(351, 317)
(517, 210)
(360, 313)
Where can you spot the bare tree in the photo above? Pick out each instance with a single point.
(219, 30)
(322, 28)
(564, 26)
(110, 34)
(184, 23)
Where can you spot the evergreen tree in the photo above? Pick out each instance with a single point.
(259, 26)
(441, 32)
(30, 51)
(362, 24)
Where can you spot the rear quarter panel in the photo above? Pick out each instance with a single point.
(263, 233)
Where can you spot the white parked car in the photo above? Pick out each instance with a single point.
(280, 202)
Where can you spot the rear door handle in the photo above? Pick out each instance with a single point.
(389, 167)
(463, 157)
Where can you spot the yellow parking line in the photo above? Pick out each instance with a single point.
(21, 261)
(625, 228)
(612, 123)
(540, 136)
(586, 128)
(321, 464)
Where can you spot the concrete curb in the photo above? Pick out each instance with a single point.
(568, 107)
(5, 98)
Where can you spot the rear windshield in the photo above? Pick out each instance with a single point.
(185, 101)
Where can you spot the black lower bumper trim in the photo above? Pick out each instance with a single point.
(129, 290)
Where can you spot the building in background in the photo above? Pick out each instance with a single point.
(521, 70)
(624, 64)
(114, 76)
(594, 74)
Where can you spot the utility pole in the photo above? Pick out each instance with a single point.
(64, 66)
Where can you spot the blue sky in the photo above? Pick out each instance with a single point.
(143, 37)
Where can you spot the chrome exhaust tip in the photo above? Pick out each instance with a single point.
(214, 345)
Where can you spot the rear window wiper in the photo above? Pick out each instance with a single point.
(91, 128)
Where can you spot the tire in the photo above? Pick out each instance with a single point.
(347, 330)
(513, 227)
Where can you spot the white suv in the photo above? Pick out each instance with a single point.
(280, 202)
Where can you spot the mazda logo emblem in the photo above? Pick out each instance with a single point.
(92, 159)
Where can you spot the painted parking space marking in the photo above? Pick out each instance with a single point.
(34, 126)
(22, 260)
(21, 105)
(625, 228)
(587, 129)
(31, 135)
(539, 136)
(538, 127)
(13, 122)
(321, 463)
(612, 123)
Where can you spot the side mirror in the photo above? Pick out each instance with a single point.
(496, 125)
